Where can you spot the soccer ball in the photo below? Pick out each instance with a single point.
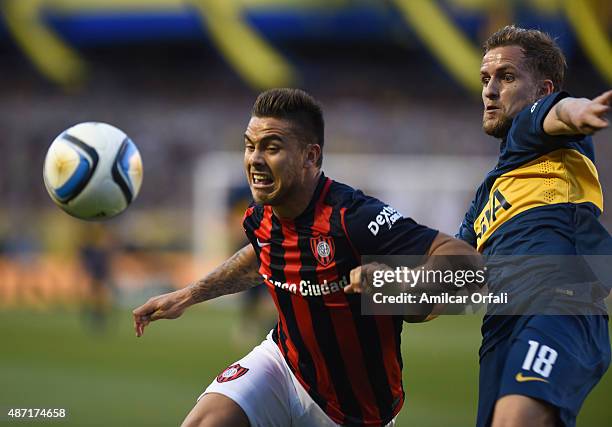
(93, 171)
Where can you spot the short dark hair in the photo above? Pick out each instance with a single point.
(542, 54)
(295, 105)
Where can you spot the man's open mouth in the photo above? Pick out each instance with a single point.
(261, 179)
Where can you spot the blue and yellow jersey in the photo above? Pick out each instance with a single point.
(542, 198)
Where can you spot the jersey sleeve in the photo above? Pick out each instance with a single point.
(375, 228)
(466, 229)
(527, 131)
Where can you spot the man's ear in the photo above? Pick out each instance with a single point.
(545, 88)
(313, 153)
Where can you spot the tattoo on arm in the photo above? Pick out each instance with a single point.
(236, 274)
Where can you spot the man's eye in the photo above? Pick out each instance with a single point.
(272, 148)
(249, 147)
(508, 78)
(485, 80)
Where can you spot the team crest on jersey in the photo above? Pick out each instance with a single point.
(322, 249)
(231, 373)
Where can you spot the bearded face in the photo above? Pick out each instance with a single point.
(508, 86)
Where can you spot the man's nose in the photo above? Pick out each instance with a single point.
(491, 90)
(256, 158)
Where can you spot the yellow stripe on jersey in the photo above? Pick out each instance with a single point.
(561, 176)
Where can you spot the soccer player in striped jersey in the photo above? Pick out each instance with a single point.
(543, 198)
(324, 364)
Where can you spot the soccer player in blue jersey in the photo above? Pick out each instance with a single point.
(324, 364)
(543, 198)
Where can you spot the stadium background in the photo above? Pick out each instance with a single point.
(396, 78)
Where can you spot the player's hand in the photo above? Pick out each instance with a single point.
(361, 276)
(589, 116)
(355, 285)
(166, 306)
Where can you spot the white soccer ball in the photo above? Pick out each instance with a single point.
(93, 171)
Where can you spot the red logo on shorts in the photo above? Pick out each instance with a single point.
(323, 249)
(231, 373)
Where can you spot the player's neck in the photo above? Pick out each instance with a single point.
(298, 201)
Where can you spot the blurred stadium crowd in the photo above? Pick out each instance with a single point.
(179, 77)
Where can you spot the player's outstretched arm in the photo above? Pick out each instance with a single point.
(236, 274)
(572, 116)
(445, 253)
(463, 256)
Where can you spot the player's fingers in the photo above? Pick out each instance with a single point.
(605, 98)
(356, 278)
(145, 309)
(350, 289)
(599, 110)
(138, 325)
(137, 321)
(156, 315)
(353, 274)
(596, 111)
(595, 124)
(140, 315)
(355, 281)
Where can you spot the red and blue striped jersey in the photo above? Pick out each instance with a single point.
(349, 364)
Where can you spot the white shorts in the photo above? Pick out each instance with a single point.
(264, 387)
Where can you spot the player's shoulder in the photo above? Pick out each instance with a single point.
(361, 211)
(344, 196)
(527, 140)
(253, 215)
(531, 118)
(339, 194)
(352, 201)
